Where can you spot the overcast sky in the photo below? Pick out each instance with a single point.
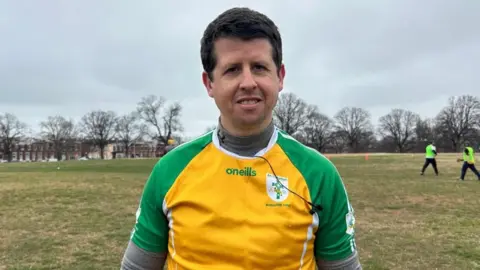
(71, 57)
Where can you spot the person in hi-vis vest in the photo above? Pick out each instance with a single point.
(468, 162)
(430, 155)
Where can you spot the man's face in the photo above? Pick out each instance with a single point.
(245, 85)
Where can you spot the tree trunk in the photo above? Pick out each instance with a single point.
(127, 150)
(59, 155)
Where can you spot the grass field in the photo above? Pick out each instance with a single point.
(80, 217)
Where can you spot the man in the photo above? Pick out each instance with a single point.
(246, 195)
(468, 162)
(430, 158)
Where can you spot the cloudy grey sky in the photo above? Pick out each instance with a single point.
(70, 57)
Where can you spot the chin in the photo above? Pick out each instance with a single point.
(250, 121)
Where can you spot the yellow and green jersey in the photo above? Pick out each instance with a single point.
(469, 155)
(212, 209)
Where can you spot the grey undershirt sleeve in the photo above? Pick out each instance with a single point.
(136, 258)
(350, 263)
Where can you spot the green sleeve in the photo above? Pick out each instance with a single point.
(151, 227)
(335, 235)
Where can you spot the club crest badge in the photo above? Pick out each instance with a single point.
(276, 191)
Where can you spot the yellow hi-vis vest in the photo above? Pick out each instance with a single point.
(470, 158)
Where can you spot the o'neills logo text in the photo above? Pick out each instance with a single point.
(247, 171)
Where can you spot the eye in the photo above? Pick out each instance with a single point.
(231, 70)
(259, 67)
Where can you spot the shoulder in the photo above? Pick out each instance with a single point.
(319, 173)
(171, 165)
(186, 151)
(305, 158)
(322, 177)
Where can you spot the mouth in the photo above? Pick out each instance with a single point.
(248, 101)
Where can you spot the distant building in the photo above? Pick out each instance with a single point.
(35, 150)
(135, 150)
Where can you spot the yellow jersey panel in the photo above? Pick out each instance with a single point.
(231, 213)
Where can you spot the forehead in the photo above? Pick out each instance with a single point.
(230, 50)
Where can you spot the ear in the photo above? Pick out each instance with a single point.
(208, 84)
(281, 77)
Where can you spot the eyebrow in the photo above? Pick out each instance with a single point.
(256, 62)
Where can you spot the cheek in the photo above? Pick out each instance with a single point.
(271, 101)
(222, 97)
(271, 91)
(224, 91)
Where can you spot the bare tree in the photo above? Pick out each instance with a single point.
(399, 125)
(459, 119)
(291, 113)
(337, 141)
(99, 128)
(164, 120)
(129, 130)
(318, 131)
(425, 130)
(354, 125)
(368, 141)
(58, 131)
(11, 131)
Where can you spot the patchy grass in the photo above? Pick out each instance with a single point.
(80, 216)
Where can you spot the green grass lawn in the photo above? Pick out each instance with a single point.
(80, 216)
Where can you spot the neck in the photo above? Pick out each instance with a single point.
(245, 145)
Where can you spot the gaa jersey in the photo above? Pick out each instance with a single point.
(213, 209)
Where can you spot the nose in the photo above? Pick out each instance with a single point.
(248, 80)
